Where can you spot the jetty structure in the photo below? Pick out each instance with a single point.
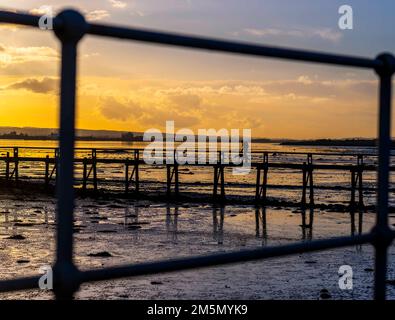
(263, 164)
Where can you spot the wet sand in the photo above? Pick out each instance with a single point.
(138, 231)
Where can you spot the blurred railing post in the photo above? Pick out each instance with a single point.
(70, 29)
(381, 230)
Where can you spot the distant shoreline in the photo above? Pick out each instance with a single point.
(335, 143)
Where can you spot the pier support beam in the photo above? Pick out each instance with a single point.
(357, 184)
(48, 172)
(261, 179)
(92, 170)
(308, 181)
(14, 174)
(219, 181)
(172, 173)
(134, 176)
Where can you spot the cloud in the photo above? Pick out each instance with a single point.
(44, 85)
(17, 55)
(117, 4)
(322, 33)
(96, 15)
(115, 110)
(305, 80)
(150, 115)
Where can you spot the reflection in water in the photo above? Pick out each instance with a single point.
(46, 216)
(307, 227)
(171, 223)
(360, 222)
(218, 224)
(132, 221)
(360, 225)
(260, 218)
(6, 219)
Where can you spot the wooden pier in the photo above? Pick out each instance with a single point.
(133, 163)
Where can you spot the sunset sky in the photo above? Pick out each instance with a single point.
(133, 86)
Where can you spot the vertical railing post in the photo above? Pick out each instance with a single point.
(381, 230)
(70, 27)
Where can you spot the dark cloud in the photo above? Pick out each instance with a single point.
(44, 85)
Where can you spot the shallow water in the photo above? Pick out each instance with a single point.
(139, 231)
(145, 231)
(284, 184)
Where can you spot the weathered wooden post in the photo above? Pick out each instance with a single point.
(16, 164)
(311, 185)
(168, 175)
(219, 178)
(360, 180)
(261, 186)
(7, 167)
(304, 184)
(94, 168)
(84, 174)
(353, 186)
(47, 170)
(136, 170)
(126, 176)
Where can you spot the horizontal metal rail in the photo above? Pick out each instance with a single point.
(70, 26)
(180, 264)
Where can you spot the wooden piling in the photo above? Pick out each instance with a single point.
(308, 182)
(261, 186)
(94, 166)
(84, 174)
(47, 170)
(16, 164)
(127, 176)
(7, 166)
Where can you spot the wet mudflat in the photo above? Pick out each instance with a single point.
(113, 232)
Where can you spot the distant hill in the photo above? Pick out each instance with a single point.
(51, 133)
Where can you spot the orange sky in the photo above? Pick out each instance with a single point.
(134, 87)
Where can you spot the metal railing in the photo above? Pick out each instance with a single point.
(70, 26)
